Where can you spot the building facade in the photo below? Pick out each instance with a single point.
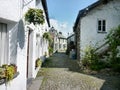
(94, 22)
(62, 42)
(20, 43)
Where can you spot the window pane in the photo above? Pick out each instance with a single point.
(104, 28)
(99, 23)
(104, 25)
(99, 28)
(103, 22)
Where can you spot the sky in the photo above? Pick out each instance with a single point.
(63, 13)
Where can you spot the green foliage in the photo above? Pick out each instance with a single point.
(35, 16)
(91, 59)
(38, 63)
(90, 56)
(98, 66)
(4, 66)
(9, 72)
(47, 36)
(50, 50)
(113, 39)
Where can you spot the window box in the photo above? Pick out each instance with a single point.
(3, 80)
(7, 73)
(38, 63)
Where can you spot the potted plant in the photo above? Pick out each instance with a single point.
(15, 67)
(9, 73)
(35, 16)
(2, 73)
(38, 63)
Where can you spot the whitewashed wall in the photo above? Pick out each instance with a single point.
(110, 12)
(17, 54)
(62, 42)
(38, 47)
(18, 40)
(10, 9)
(10, 13)
(36, 42)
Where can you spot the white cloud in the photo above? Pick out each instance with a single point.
(63, 27)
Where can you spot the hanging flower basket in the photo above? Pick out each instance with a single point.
(34, 16)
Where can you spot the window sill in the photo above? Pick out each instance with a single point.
(2, 81)
(102, 32)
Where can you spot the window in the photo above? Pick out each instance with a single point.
(101, 26)
(3, 44)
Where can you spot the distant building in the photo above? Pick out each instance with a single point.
(62, 42)
(59, 41)
(54, 35)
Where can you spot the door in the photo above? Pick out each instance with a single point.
(28, 53)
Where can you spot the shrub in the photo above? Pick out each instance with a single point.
(90, 56)
(113, 39)
(38, 63)
(91, 59)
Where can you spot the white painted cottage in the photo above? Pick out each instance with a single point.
(94, 22)
(21, 44)
(62, 42)
(54, 34)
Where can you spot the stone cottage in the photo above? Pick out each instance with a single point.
(93, 24)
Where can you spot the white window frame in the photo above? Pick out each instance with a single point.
(101, 28)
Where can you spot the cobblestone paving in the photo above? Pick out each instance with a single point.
(61, 73)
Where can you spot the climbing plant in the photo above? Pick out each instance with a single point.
(34, 16)
(47, 36)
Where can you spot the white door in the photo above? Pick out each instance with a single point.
(3, 44)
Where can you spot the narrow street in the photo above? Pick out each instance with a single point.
(61, 73)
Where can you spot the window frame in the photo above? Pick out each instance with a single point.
(101, 28)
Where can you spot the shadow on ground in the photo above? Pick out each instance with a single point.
(60, 60)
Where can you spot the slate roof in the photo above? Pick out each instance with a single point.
(61, 36)
(86, 10)
(46, 11)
